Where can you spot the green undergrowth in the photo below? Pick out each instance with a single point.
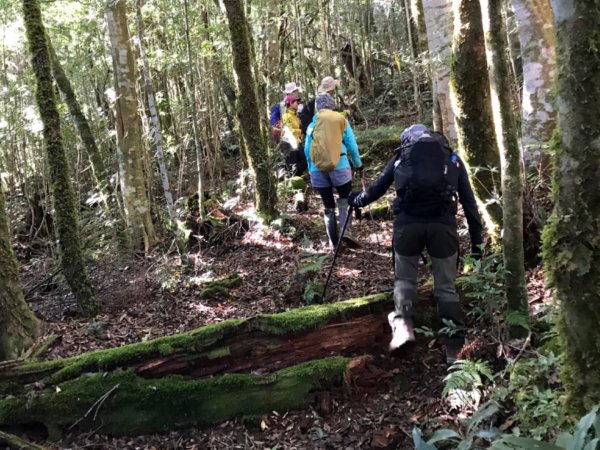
(220, 287)
(195, 341)
(121, 403)
(520, 376)
(377, 145)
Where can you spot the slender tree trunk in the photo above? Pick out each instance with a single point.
(129, 130)
(199, 165)
(100, 173)
(18, 325)
(324, 34)
(538, 55)
(249, 112)
(571, 244)
(438, 22)
(65, 204)
(159, 153)
(416, 92)
(511, 167)
(470, 90)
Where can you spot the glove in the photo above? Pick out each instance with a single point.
(359, 171)
(476, 251)
(357, 213)
(353, 199)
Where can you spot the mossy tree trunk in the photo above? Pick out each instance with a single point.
(538, 55)
(438, 23)
(100, 173)
(510, 166)
(18, 326)
(129, 129)
(249, 113)
(571, 244)
(65, 204)
(470, 90)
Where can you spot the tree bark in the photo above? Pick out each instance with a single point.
(129, 130)
(65, 204)
(18, 325)
(571, 246)
(438, 23)
(510, 166)
(249, 113)
(470, 90)
(538, 55)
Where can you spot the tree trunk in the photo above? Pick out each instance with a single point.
(18, 326)
(571, 245)
(415, 77)
(148, 88)
(510, 166)
(65, 204)
(100, 173)
(470, 90)
(129, 130)
(325, 39)
(537, 41)
(213, 373)
(199, 165)
(249, 113)
(438, 22)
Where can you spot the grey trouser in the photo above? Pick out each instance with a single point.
(441, 242)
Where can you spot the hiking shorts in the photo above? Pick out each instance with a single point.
(334, 178)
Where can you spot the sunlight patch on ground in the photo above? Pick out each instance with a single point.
(345, 272)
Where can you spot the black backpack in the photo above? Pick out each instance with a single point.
(434, 168)
(306, 115)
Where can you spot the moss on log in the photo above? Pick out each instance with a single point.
(123, 403)
(239, 367)
(194, 347)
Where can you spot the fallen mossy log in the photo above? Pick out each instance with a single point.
(215, 348)
(123, 403)
(240, 367)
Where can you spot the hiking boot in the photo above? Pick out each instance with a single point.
(402, 332)
(331, 227)
(345, 214)
(350, 240)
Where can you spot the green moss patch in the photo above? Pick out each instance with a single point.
(135, 405)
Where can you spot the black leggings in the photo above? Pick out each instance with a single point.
(327, 194)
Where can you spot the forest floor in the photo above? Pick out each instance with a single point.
(155, 296)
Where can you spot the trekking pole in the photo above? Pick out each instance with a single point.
(337, 248)
(364, 188)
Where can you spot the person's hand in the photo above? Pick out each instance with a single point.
(353, 200)
(359, 170)
(476, 251)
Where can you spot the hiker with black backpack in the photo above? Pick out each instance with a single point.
(428, 178)
(329, 149)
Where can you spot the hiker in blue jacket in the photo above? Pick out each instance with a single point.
(339, 178)
(428, 177)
